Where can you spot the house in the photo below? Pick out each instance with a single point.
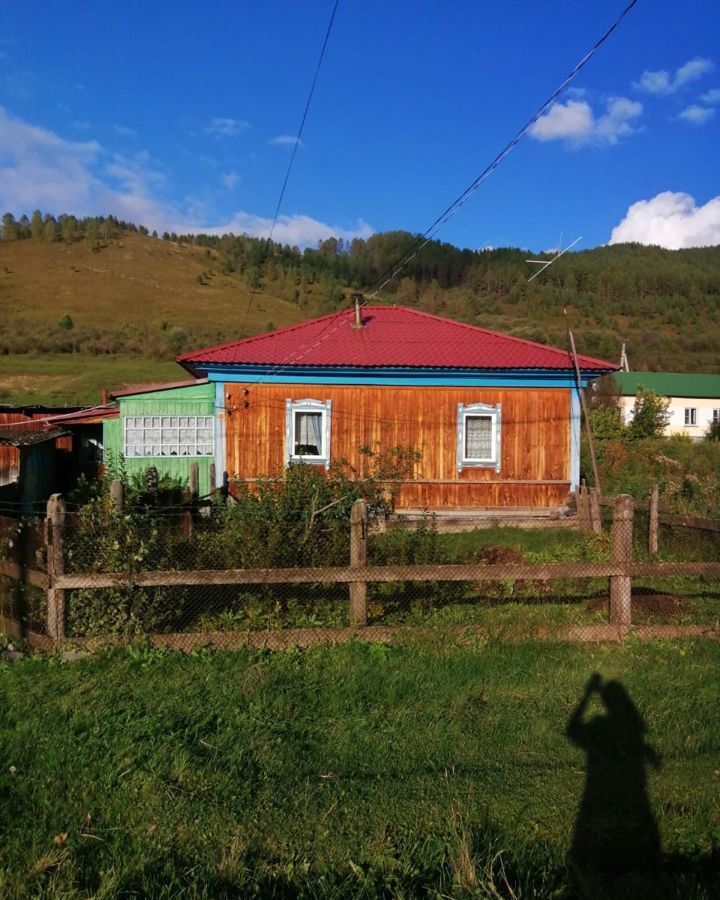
(694, 398)
(495, 419)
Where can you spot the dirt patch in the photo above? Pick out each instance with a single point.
(499, 555)
(647, 604)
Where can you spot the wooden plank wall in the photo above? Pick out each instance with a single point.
(10, 456)
(535, 458)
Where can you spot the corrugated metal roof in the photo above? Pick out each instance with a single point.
(93, 415)
(391, 336)
(669, 384)
(23, 436)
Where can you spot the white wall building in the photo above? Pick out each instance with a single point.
(694, 399)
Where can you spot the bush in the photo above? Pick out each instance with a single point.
(650, 415)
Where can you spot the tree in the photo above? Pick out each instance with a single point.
(68, 229)
(66, 323)
(713, 432)
(50, 229)
(9, 227)
(650, 415)
(36, 225)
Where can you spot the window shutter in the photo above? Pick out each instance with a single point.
(328, 407)
(460, 437)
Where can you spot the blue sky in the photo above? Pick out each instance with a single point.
(181, 116)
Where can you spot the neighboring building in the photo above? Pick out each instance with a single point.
(694, 399)
(43, 450)
(11, 416)
(495, 418)
(168, 426)
(37, 472)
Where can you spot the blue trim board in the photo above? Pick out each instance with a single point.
(575, 419)
(398, 378)
(220, 450)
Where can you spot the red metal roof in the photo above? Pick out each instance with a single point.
(391, 336)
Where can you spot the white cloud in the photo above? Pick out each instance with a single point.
(224, 127)
(696, 115)
(124, 131)
(41, 170)
(711, 97)
(230, 180)
(284, 140)
(575, 122)
(297, 230)
(662, 82)
(672, 220)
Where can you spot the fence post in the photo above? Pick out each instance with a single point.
(54, 537)
(358, 557)
(595, 519)
(117, 494)
(194, 480)
(622, 551)
(653, 520)
(583, 508)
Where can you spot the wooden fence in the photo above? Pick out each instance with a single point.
(620, 570)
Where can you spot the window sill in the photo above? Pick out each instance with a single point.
(309, 461)
(473, 464)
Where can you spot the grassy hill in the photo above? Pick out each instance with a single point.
(76, 316)
(134, 304)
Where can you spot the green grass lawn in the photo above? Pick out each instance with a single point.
(420, 770)
(69, 379)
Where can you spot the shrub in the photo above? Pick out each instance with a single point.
(650, 415)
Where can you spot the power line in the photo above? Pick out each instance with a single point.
(297, 140)
(450, 211)
(459, 201)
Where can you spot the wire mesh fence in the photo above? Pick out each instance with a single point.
(188, 578)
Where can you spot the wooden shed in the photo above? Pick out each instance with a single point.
(168, 426)
(38, 474)
(495, 419)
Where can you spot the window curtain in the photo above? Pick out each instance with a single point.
(478, 437)
(308, 433)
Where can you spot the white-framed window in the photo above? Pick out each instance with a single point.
(307, 431)
(715, 416)
(478, 436)
(690, 415)
(149, 436)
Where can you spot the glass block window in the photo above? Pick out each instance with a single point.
(148, 436)
(478, 436)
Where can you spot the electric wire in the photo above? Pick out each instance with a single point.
(297, 143)
(392, 271)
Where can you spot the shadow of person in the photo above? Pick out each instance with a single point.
(616, 846)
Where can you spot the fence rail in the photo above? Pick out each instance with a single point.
(381, 574)
(57, 582)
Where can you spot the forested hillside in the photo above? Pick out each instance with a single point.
(106, 288)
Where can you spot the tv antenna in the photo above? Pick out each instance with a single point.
(544, 263)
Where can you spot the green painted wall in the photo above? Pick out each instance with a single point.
(194, 400)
